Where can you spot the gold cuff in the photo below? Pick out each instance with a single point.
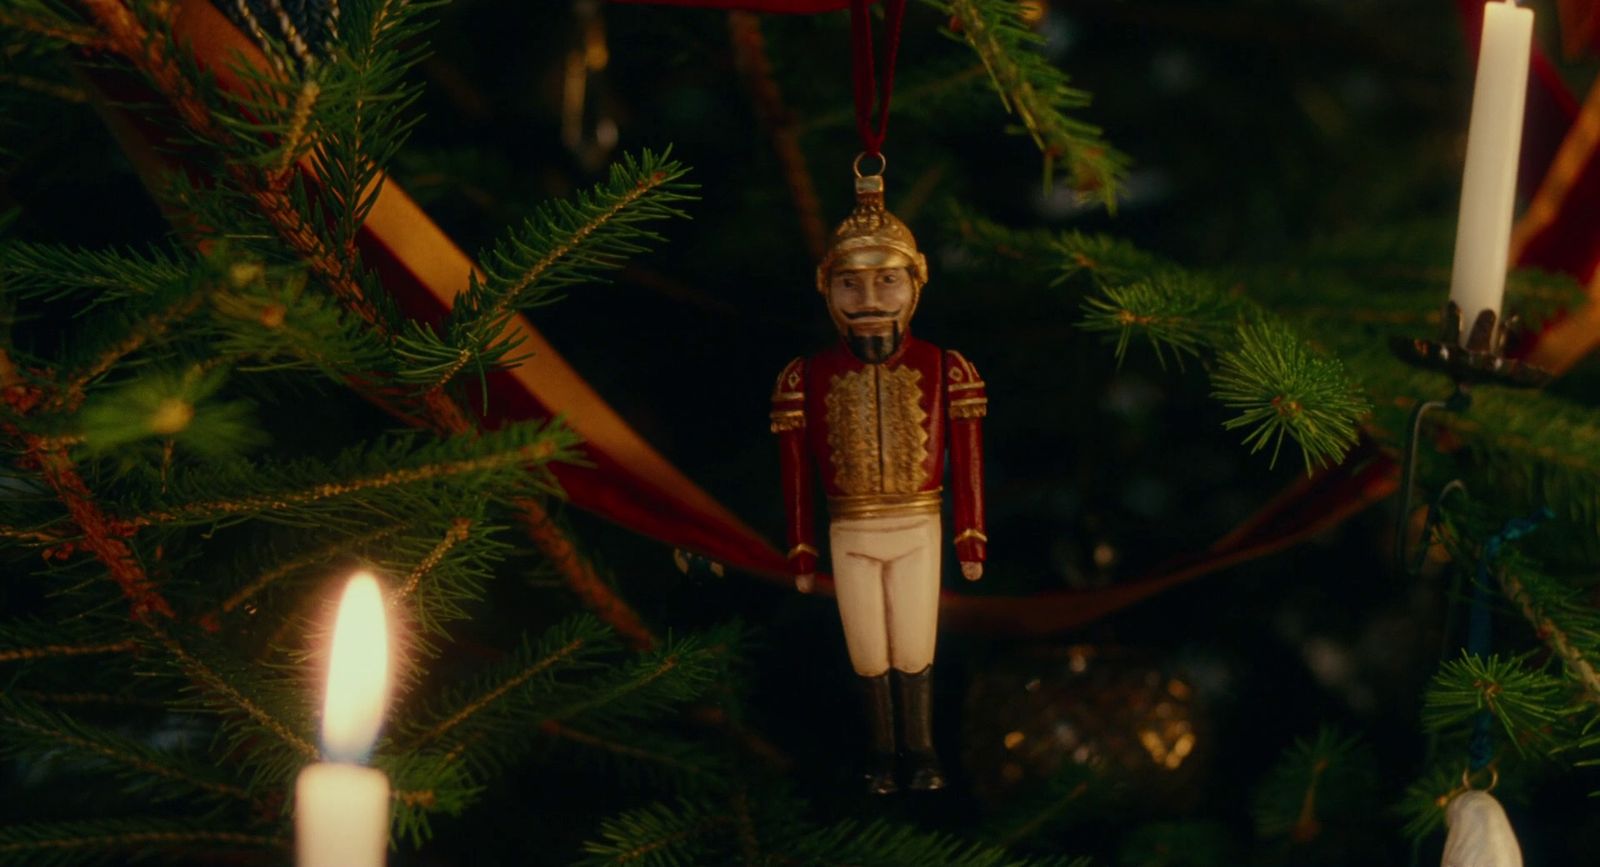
(885, 505)
(964, 386)
(965, 535)
(792, 419)
(970, 407)
(802, 549)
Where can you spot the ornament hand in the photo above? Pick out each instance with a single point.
(971, 571)
(805, 581)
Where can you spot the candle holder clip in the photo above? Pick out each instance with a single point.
(1481, 360)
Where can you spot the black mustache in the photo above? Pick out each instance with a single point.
(871, 314)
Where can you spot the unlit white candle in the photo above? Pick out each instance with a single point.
(1489, 182)
(341, 811)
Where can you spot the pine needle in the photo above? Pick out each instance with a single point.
(1283, 390)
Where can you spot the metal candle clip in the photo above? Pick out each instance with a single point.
(1481, 360)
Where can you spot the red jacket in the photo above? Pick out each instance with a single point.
(878, 432)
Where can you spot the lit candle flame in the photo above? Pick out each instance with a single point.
(358, 672)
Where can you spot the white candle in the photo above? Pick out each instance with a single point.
(1489, 183)
(342, 808)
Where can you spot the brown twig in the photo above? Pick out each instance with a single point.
(494, 695)
(98, 535)
(316, 493)
(1553, 635)
(141, 841)
(455, 535)
(216, 683)
(134, 760)
(277, 573)
(72, 393)
(46, 651)
(750, 57)
(556, 729)
(582, 578)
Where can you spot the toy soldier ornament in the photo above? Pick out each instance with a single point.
(874, 415)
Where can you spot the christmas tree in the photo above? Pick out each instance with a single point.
(1268, 584)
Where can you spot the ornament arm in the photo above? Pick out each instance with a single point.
(967, 403)
(789, 423)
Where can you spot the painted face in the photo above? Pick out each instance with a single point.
(872, 308)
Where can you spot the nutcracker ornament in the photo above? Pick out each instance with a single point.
(874, 415)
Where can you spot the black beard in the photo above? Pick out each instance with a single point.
(874, 348)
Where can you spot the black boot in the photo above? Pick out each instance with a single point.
(879, 707)
(916, 715)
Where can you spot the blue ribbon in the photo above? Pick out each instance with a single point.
(1480, 749)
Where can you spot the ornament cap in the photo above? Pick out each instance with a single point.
(871, 237)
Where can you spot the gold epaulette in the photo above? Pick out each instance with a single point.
(789, 398)
(964, 388)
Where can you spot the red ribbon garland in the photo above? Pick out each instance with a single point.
(863, 72)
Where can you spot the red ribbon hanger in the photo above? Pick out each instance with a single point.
(863, 70)
(781, 7)
(865, 84)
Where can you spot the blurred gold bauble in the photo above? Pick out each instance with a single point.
(1113, 710)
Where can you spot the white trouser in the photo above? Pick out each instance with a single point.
(886, 577)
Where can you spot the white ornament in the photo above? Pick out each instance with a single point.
(1480, 834)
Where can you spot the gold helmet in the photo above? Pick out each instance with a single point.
(871, 237)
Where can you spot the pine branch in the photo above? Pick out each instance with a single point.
(672, 756)
(1525, 703)
(457, 533)
(1329, 780)
(679, 671)
(1065, 797)
(1032, 88)
(581, 576)
(60, 844)
(564, 243)
(269, 321)
(29, 641)
(478, 463)
(881, 844)
(655, 836)
(1560, 622)
(508, 689)
(50, 272)
(1110, 260)
(1177, 316)
(76, 699)
(424, 784)
(99, 535)
(37, 18)
(221, 690)
(142, 38)
(1284, 390)
(1425, 800)
(342, 546)
(150, 773)
(654, 683)
(174, 408)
